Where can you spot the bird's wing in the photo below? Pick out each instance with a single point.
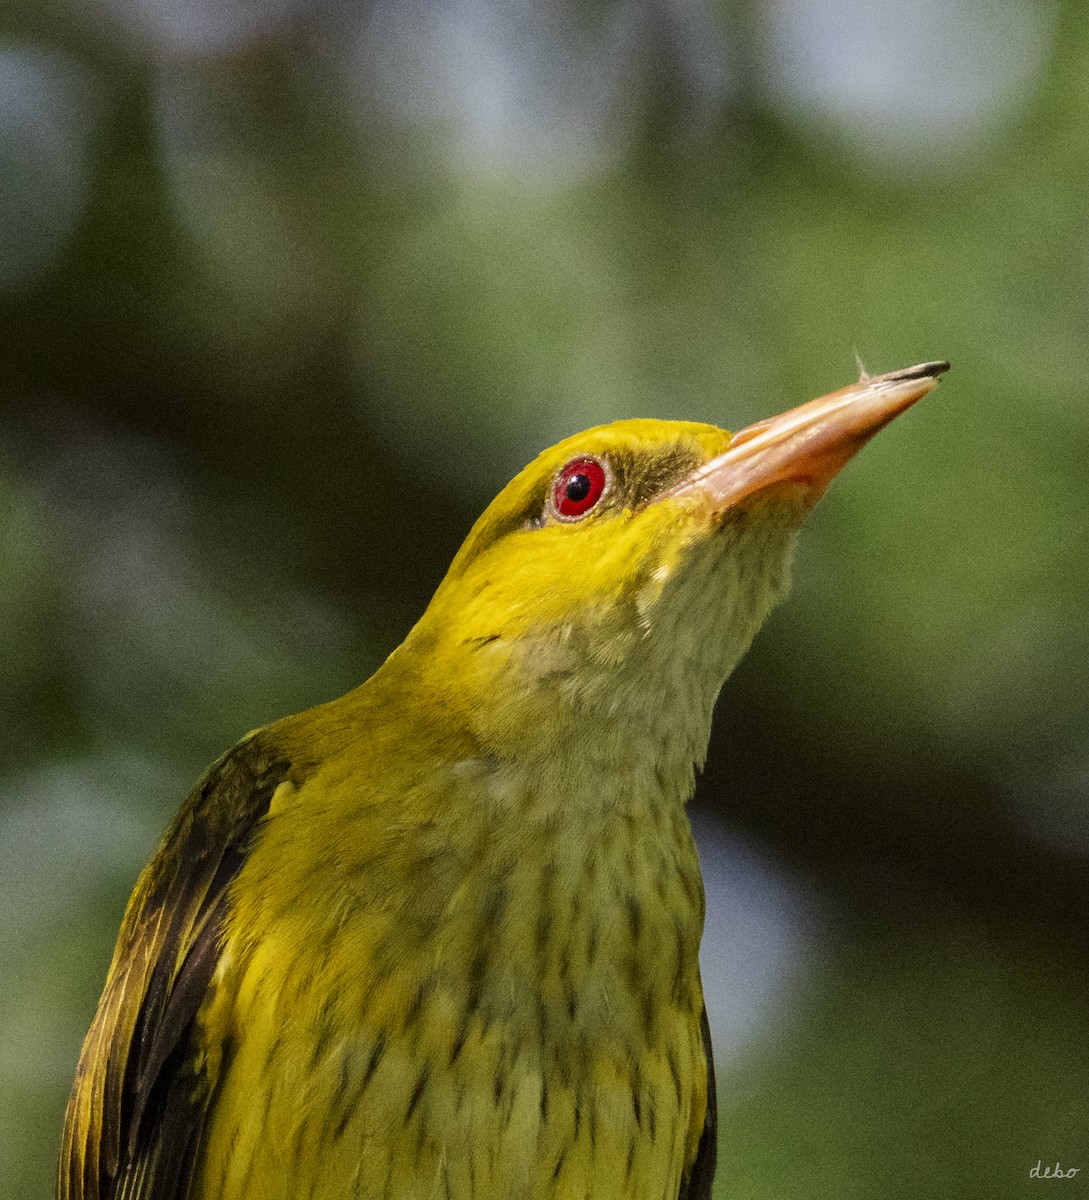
(137, 1106)
(700, 1176)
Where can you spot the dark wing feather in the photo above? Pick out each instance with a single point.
(136, 1109)
(700, 1178)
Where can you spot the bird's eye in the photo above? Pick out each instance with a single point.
(578, 487)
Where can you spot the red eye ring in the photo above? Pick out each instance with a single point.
(578, 487)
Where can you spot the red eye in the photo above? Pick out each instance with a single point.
(578, 488)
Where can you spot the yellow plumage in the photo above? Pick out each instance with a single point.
(509, 893)
(439, 938)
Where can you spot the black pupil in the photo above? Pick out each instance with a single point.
(578, 488)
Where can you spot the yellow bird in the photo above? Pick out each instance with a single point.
(439, 938)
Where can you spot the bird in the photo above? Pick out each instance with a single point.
(439, 937)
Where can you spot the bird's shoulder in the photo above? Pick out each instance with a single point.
(135, 1108)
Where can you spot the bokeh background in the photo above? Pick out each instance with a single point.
(289, 288)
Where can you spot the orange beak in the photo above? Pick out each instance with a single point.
(811, 443)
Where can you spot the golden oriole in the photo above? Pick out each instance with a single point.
(439, 937)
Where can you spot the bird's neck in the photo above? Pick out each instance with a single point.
(611, 709)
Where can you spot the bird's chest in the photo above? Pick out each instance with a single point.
(498, 1013)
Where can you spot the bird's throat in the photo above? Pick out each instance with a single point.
(613, 706)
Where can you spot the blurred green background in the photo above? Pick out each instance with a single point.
(289, 288)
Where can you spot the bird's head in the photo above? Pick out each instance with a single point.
(617, 580)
